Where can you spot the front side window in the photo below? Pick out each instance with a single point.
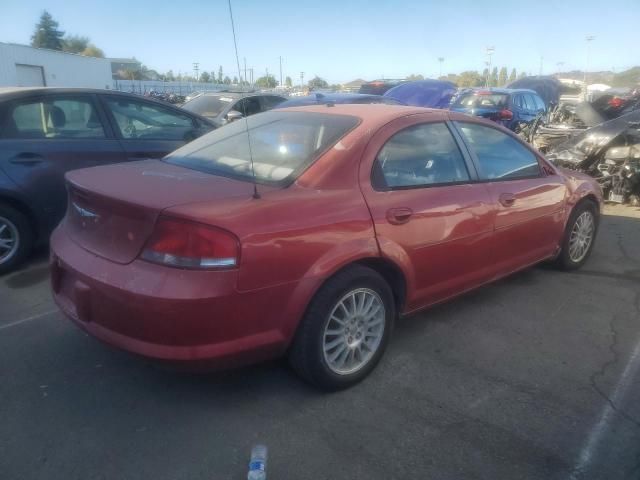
(248, 106)
(52, 118)
(271, 101)
(500, 156)
(420, 155)
(144, 120)
(282, 144)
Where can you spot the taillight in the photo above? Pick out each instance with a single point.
(505, 114)
(180, 243)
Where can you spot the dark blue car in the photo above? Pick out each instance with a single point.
(423, 93)
(510, 107)
(335, 98)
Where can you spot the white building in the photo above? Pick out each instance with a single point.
(24, 66)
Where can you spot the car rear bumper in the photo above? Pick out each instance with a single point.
(166, 313)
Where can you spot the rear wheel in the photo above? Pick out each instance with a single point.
(345, 330)
(579, 236)
(16, 238)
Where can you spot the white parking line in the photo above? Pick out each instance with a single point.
(28, 319)
(600, 428)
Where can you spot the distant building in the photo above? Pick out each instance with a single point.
(122, 67)
(25, 66)
(353, 86)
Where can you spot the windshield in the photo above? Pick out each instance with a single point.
(474, 100)
(282, 144)
(208, 105)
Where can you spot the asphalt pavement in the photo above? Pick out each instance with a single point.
(534, 377)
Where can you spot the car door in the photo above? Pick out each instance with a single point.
(43, 137)
(527, 194)
(430, 215)
(148, 129)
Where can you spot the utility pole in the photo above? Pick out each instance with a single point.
(196, 69)
(490, 51)
(280, 70)
(541, 60)
(301, 80)
(245, 69)
(559, 65)
(589, 39)
(441, 60)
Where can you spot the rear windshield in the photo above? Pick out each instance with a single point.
(208, 105)
(282, 144)
(474, 100)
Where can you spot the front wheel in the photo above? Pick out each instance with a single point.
(579, 236)
(345, 330)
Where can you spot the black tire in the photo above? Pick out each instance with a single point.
(15, 219)
(564, 260)
(307, 356)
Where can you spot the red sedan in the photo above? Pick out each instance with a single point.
(306, 232)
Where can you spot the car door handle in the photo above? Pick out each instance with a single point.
(507, 199)
(398, 216)
(27, 158)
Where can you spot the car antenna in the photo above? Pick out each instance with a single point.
(244, 109)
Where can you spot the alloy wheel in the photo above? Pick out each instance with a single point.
(581, 236)
(354, 331)
(9, 240)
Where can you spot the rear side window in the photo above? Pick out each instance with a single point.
(270, 102)
(63, 118)
(539, 102)
(145, 120)
(500, 156)
(474, 100)
(418, 156)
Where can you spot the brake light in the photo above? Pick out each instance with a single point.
(180, 243)
(505, 114)
(616, 102)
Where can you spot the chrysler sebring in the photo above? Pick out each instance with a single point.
(306, 232)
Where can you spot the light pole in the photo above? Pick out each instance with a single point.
(301, 80)
(196, 69)
(589, 39)
(441, 60)
(489, 51)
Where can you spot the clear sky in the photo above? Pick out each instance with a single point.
(347, 39)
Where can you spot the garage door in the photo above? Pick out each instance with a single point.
(29, 76)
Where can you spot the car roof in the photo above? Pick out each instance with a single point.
(505, 91)
(237, 94)
(12, 92)
(371, 114)
(320, 98)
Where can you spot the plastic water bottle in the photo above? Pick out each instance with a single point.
(258, 463)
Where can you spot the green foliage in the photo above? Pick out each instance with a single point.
(220, 74)
(227, 81)
(75, 43)
(502, 77)
(513, 76)
(413, 76)
(46, 34)
(205, 77)
(288, 82)
(493, 78)
(317, 82)
(268, 81)
(235, 80)
(93, 51)
(470, 78)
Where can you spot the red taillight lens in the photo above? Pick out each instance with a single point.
(616, 102)
(506, 114)
(180, 243)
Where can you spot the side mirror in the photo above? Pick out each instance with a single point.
(233, 115)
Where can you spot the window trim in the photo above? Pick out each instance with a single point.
(104, 98)
(476, 161)
(90, 98)
(376, 174)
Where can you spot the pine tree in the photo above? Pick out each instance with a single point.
(220, 74)
(493, 80)
(502, 77)
(513, 76)
(46, 34)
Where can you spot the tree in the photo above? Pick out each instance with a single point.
(92, 51)
(74, 43)
(470, 78)
(502, 78)
(288, 82)
(227, 80)
(522, 74)
(317, 82)
(513, 76)
(235, 80)
(220, 74)
(205, 77)
(46, 34)
(413, 76)
(268, 81)
(169, 77)
(493, 79)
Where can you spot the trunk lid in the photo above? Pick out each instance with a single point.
(112, 209)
